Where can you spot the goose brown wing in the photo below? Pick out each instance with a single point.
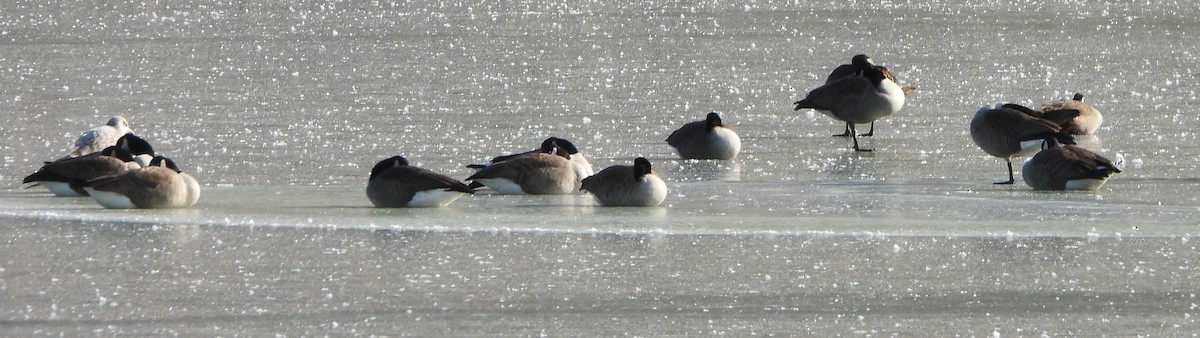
(1020, 125)
(84, 168)
(1086, 164)
(418, 179)
(606, 178)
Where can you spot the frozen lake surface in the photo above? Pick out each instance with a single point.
(280, 109)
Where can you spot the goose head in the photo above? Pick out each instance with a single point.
(391, 162)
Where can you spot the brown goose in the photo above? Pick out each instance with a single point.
(533, 174)
(395, 184)
(622, 185)
(1011, 130)
(582, 167)
(856, 99)
(708, 139)
(1066, 167)
(158, 186)
(1088, 121)
(858, 64)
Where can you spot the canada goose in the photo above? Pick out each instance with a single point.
(582, 167)
(66, 177)
(160, 185)
(1011, 130)
(395, 184)
(856, 99)
(858, 64)
(622, 185)
(534, 174)
(1066, 167)
(98, 138)
(140, 149)
(1086, 123)
(708, 139)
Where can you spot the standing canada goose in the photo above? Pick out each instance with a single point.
(158, 186)
(1066, 167)
(1010, 130)
(533, 174)
(395, 184)
(66, 177)
(1086, 123)
(856, 100)
(708, 139)
(857, 65)
(98, 138)
(622, 185)
(583, 167)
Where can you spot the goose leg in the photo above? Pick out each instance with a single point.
(847, 133)
(870, 133)
(855, 137)
(1010, 173)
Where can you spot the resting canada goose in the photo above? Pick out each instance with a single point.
(66, 177)
(1086, 123)
(622, 185)
(856, 99)
(582, 167)
(708, 139)
(98, 138)
(140, 149)
(395, 184)
(533, 174)
(158, 186)
(857, 64)
(1010, 130)
(1066, 167)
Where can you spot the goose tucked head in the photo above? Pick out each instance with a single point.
(862, 60)
(641, 167)
(1077, 97)
(135, 145)
(563, 143)
(713, 120)
(160, 161)
(552, 147)
(391, 162)
(874, 75)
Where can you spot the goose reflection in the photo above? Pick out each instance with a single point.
(705, 170)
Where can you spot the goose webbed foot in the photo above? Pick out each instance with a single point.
(849, 131)
(871, 132)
